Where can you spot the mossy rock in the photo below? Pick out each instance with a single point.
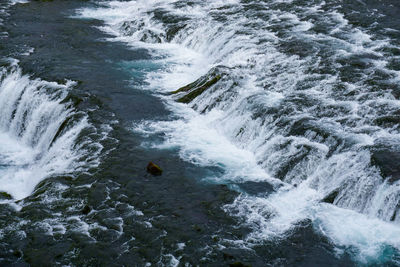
(5, 195)
(196, 88)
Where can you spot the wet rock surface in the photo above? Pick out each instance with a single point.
(387, 160)
(189, 92)
(154, 169)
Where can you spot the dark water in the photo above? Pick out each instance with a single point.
(94, 204)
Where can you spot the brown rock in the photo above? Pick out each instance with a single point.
(154, 169)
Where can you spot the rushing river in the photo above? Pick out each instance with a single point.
(277, 124)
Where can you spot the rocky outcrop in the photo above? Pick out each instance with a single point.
(331, 197)
(187, 93)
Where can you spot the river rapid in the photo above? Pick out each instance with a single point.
(276, 124)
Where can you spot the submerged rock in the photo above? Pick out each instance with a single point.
(154, 169)
(193, 90)
(197, 228)
(86, 210)
(227, 256)
(17, 253)
(257, 188)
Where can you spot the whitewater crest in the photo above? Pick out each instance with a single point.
(41, 132)
(312, 95)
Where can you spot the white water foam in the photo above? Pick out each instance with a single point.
(200, 143)
(13, 2)
(32, 145)
(370, 239)
(232, 133)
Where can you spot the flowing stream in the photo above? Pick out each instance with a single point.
(303, 95)
(277, 122)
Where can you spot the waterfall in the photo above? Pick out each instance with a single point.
(40, 132)
(296, 88)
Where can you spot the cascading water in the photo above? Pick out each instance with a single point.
(40, 132)
(306, 91)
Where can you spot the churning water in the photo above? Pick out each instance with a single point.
(40, 132)
(276, 123)
(301, 94)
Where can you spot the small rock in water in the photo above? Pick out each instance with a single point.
(197, 228)
(86, 210)
(154, 169)
(17, 253)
